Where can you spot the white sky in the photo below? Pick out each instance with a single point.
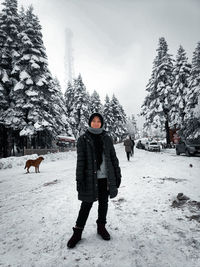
(115, 41)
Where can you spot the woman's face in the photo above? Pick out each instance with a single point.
(96, 122)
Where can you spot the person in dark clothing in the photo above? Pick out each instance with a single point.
(132, 146)
(128, 144)
(98, 176)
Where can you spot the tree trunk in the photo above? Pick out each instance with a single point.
(8, 142)
(167, 132)
(4, 142)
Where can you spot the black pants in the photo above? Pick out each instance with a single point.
(128, 155)
(132, 150)
(102, 208)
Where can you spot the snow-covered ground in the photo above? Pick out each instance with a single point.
(38, 211)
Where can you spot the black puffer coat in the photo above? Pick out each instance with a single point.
(86, 169)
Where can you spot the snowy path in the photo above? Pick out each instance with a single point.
(36, 218)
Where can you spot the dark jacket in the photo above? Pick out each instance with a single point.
(86, 169)
(128, 144)
(133, 142)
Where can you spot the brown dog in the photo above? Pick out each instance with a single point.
(33, 162)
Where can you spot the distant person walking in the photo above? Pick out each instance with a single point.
(132, 146)
(128, 144)
(98, 176)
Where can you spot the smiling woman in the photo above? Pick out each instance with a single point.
(98, 176)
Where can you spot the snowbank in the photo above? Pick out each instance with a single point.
(153, 222)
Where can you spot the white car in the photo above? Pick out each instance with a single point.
(152, 146)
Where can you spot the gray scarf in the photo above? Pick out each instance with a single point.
(95, 130)
(95, 134)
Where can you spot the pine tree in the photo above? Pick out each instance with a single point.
(59, 110)
(119, 118)
(88, 97)
(96, 105)
(9, 47)
(158, 101)
(30, 93)
(194, 82)
(131, 126)
(181, 73)
(14, 114)
(108, 116)
(69, 98)
(80, 109)
(192, 125)
(33, 94)
(195, 129)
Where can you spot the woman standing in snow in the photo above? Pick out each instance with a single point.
(98, 175)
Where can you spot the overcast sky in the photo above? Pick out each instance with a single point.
(115, 41)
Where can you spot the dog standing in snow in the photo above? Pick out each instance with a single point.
(33, 162)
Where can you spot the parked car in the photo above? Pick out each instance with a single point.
(140, 145)
(188, 147)
(162, 143)
(152, 146)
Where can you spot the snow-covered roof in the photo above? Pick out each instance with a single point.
(65, 138)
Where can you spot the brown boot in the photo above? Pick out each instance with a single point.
(101, 230)
(76, 237)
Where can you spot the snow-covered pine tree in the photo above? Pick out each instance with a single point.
(119, 118)
(59, 110)
(96, 105)
(181, 73)
(32, 95)
(194, 131)
(131, 126)
(122, 122)
(80, 114)
(158, 101)
(108, 116)
(88, 97)
(14, 116)
(69, 98)
(192, 127)
(9, 47)
(194, 82)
